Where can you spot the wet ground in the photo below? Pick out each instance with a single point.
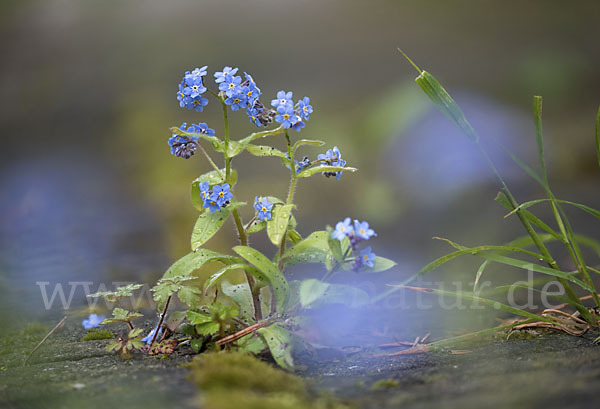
(549, 371)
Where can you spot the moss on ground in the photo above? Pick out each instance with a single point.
(96, 334)
(235, 380)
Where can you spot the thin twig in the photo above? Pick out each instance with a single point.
(245, 331)
(57, 326)
(162, 318)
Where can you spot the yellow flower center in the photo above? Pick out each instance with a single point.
(196, 102)
(366, 257)
(231, 85)
(236, 100)
(286, 116)
(221, 194)
(362, 231)
(264, 209)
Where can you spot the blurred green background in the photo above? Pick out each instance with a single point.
(89, 190)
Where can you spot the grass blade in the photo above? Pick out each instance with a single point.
(494, 304)
(598, 136)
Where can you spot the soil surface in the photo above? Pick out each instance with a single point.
(549, 371)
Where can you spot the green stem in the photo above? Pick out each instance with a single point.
(238, 221)
(213, 164)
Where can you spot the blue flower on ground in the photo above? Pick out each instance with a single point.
(93, 321)
(285, 116)
(237, 101)
(283, 99)
(304, 107)
(333, 157)
(148, 338)
(183, 146)
(221, 194)
(342, 229)
(367, 257)
(362, 230)
(264, 208)
(202, 128)
(220, 75)
(231, 85)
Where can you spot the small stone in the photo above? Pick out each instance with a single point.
(78, 386)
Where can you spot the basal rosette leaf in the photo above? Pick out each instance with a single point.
(278, 340)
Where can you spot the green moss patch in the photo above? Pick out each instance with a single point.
(95, 334)
(235, 380)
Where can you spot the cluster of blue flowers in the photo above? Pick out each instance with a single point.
(264, 208)
(93, 321)
(217, 198)
(184, 146)
(191, 89)
(356, 232)
(332, 157)
(243, 93)
(291, 115)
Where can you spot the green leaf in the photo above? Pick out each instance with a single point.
(527, 265)
(313, 249)
(310, 142)
(380, 264)
(256, 226)
(213, 279)
(209, 328)
(241, 295)
(237, 147)
(294, 236)
(308, 172)
(277, 226)
(186, 265)
(335, 246)
(263, 150)
(494, 304)
(503, 200)
(311, 290)
(251, 344)
(121, 315)
(195, 317)
(342, 294)
(279, 343)
(261, 262)
(215, 142)
(209, 223)
(440, 97)
(190, 296)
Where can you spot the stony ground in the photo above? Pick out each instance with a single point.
(551, 371)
